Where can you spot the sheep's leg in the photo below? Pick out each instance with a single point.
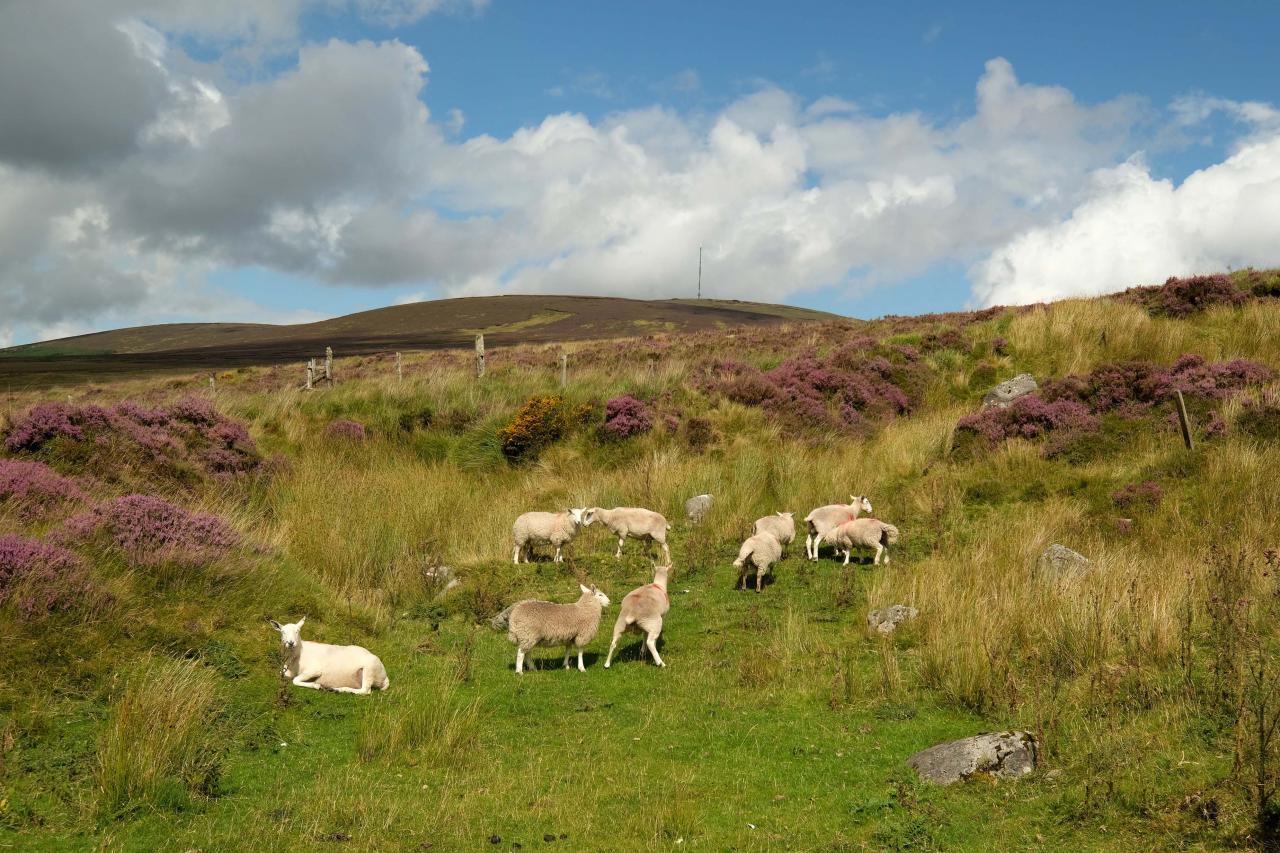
(759, 578)
(613, 644)
(519, 660)
(808, 546)
(366, 684)
(666, 552)
(847, 552)
(879, 551)
(652, 642)
(581, 668)
(568, 650)
(618, 554)
(817, 543)
(556, 558)
(308, 679)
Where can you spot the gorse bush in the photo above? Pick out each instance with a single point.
(40, 578)
(33, 489)
(625, 417)
(186, 439)
(538, 424)
(150, 530)
(164, 742)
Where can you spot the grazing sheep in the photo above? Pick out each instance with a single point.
(554, 528)
(321, 666)
(781, 525)
(762, 551)
(865, 533)
(544, 623)
(643, 609)
(827, 518)
(697, 507)
(635, 523)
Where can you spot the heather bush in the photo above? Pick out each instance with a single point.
(1026, 417)
(345, 430)
(150, 530)
(40, 578)
(1181, 297)
(32, 488)
(1130, 389)
(1144, 494)
(187, 437)
(625, 417)
(698, 433)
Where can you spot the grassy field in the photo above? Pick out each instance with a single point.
(145, 711)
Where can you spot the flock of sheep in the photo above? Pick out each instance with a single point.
(532, 623)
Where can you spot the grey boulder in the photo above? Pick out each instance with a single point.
(1005, 755)
(1058, 562)
(697, 507)
(1009, 390)
(886, 620)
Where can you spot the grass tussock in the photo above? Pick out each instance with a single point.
(429, 725)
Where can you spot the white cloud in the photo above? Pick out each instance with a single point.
(1137, 229)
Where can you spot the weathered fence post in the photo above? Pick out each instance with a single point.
(213, 388)
(311, 373)
(1184, 421)
(479, 356)
(328, 364)
(564, 370)
(399, 368)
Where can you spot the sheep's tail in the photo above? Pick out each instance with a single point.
(503, 619)
(888, 534)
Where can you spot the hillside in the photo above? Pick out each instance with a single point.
(147, 532)
(504, 320)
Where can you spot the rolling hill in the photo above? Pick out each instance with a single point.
(439, 324)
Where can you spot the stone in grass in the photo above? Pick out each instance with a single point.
(1005, 755)
(1060, 562)
(1006, 392)
(697, 507)
(886, 620)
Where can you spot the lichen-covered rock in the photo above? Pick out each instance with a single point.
(1009, 390)
(1058, 562)
(1006, 755)
(697, 507)
(886, 620)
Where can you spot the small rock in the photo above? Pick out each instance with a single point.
(886, 620)
(495, 839)
(1006, 392)
(548, 837)
(697, 507)
(1060, 562)
(1006, 755)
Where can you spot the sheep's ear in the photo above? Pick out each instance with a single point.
(302, 621)
(273, 623)
(584, 589)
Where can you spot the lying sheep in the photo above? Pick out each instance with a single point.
(865, 533)
(533, 623)
(697, 507)
(321, 666)
(553, 528)
(634, 523)
(780, 525)
(643, 609)
(762, 551)
(827, 518)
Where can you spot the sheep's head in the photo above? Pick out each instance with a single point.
(860, 501)
(593, 590)
(588, 516)
(577, 516)
(786, 515)
(290, 634)
(661, 573)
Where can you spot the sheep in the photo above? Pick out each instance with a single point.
(781, 525)
(635, 523)
(827, 518)
(321, 666)
(697, 507)
(533, 623)
(865, 533)
(554, 528)
(762, 550)
(643, 609)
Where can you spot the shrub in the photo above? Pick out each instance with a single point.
(1027, 417)
(420, 418)
(41, 578)
(162, 743)
(33, 488)
(625, 417)
(538, 424)
(1181, 297)
(698, 433)
(150, 530)
(1260, 418)
(345, 430)
(1132, 388)
(1146, 493)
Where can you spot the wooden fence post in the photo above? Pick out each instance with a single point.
(328, 364)
(564, 370)
(213, 388)
(311, 373)
(479, 356)
(1184, 421)
(399, 368)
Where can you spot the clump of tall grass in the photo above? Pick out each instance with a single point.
(429, 725)
(162, 743)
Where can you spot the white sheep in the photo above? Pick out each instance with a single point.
(629, 522)
(533, 623)
(553, 528)
(697, 507)
(321, 666)
(865, 533)
(762, 550)
(642, 609)
(780, 525)
(827, 518)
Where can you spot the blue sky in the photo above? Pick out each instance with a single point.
(866, 159)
